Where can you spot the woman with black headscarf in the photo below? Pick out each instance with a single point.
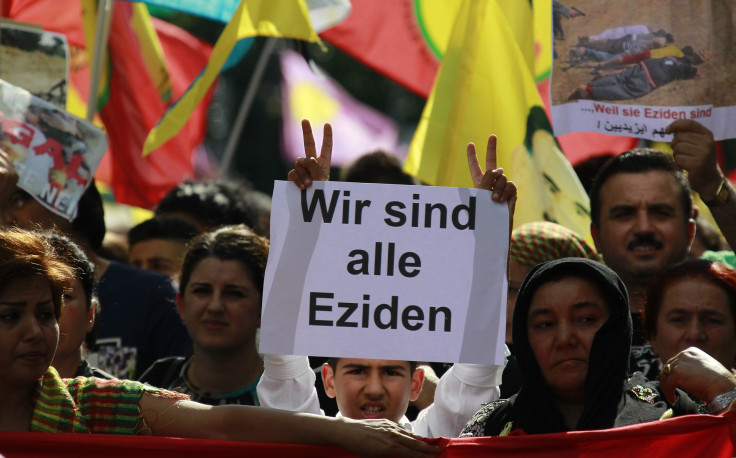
(572, 335)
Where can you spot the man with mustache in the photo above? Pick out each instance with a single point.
(643, 216)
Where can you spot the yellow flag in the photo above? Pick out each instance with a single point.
(542, 39)
(484, 86)
(273, 18)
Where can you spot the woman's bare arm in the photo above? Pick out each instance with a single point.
(167, 417)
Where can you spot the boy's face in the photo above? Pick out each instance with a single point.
(158, 255)
(372, 388)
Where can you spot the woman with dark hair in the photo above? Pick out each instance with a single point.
(219, 300)
(693, 304)
(79, 311)
(33, 279)
(572, 336)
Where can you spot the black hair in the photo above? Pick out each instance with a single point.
(236, 243)
(84, 271)
(377, 167)
(332, 362)
(162, 227)
(212, 203)
(90, 220)
(639, 160)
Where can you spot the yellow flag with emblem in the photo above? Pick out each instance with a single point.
(485, 85)
(272, 18)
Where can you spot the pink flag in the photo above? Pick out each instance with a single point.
(359, 129)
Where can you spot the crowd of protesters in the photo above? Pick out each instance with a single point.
(628, 331)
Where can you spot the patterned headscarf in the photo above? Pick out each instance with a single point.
(542, 241)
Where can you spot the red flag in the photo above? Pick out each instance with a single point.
(387, 35)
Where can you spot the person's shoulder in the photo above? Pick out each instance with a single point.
(724, 257)
(99, 373)
(163, 371)
(639, 387)
(85, 370)
(118, 271)
(126, 279)
(481, 424)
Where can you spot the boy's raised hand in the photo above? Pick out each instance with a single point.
(493, 179)
(313, 167)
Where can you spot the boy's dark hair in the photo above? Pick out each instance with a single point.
(639, 160)
(377, 167)
(333, 364)
(162, 227)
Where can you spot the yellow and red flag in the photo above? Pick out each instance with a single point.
(135, 90)
(272, 18)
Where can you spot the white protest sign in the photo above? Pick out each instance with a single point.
(386, 272)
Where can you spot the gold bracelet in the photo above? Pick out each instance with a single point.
(721, 196)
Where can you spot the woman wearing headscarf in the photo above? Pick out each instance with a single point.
(531, 244)
(572, 333)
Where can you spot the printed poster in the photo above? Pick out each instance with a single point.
(631, 67)
(36, 60)
(54, 153)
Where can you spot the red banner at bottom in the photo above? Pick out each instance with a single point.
(693, 435)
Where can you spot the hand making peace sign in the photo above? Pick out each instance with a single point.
(313, 167)
(493, 179)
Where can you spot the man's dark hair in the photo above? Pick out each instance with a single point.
(162, 227)
(639, 160)
(333, 364)
(213, 203)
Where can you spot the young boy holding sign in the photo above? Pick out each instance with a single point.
(373, 388)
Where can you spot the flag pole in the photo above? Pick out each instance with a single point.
(250, 94)
(102, 31)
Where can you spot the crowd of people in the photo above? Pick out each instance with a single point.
(631, 330)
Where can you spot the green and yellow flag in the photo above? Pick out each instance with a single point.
(486, 86)
(273, 18)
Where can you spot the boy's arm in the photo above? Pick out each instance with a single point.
(288, 383)
(462, 391)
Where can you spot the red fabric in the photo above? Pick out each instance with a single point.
(71, 445)
(55, 16)
(693, 435)
(134, 106)
(385, 36)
